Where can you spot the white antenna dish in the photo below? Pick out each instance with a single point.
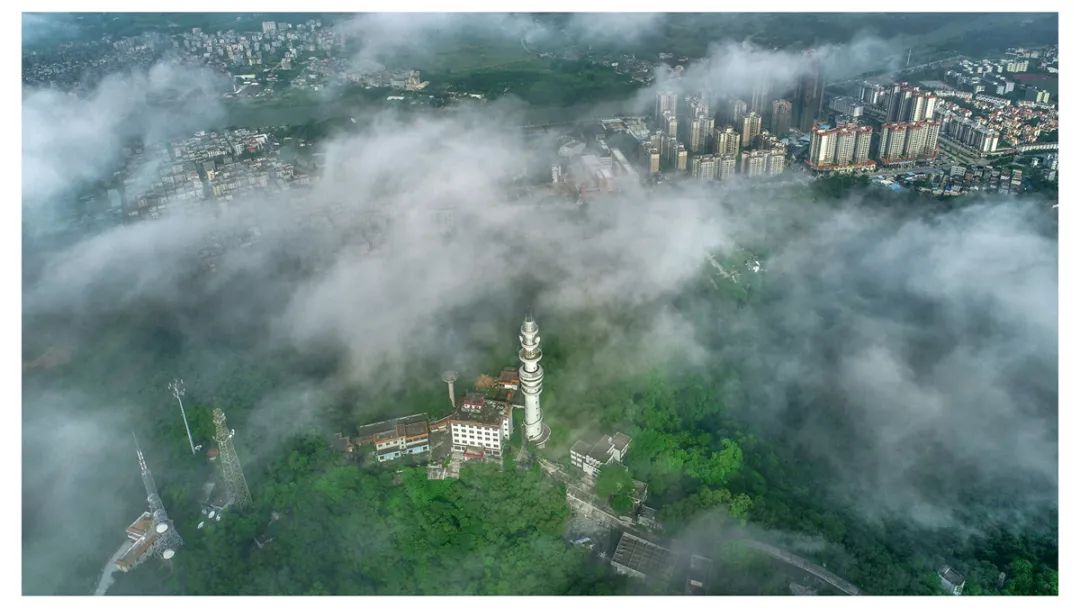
(212, 514)
(162, 528)
(218, 518)
(168, 554)
(201, 524)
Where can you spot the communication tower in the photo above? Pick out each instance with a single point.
(236, 486)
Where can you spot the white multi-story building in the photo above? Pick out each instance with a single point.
(590, 456)
(481, 423)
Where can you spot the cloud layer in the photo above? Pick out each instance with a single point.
(914, 354)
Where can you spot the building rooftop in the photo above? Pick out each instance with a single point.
(601, 447)
(509, 377)
(140, 526)
(477, 408)
(580, 447)
(620, 441)
(406, 426)
(642, 556)
(950, 575)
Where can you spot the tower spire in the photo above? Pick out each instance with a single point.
(531, 375)
(236, 486)
(152, 497)
(167, 538)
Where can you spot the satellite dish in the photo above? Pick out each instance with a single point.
(201, 524)
(168, 554)
(218, 518)
(212, 514)
(162, 528)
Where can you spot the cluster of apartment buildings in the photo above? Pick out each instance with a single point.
(208, 165)
(908, 132)
(1013, 124)
(842, 147)
(276, 43)
(692, 139)
(999, 76)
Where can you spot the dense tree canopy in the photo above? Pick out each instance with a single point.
(345, 530)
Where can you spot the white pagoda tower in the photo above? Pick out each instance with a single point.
(532, 382)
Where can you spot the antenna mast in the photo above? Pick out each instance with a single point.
(235, 483)
(177, 388)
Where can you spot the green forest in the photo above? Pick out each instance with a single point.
(325, 525)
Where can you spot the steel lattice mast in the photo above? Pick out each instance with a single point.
(168, 539)
(236, 486)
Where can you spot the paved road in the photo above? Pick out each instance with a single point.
(582, 494)
(804, 565)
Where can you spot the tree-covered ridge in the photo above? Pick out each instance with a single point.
(346, 530)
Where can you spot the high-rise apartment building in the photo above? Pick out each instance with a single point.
(753, 163)
(670, 124)
(780, 121)
(703, 167)
(726, 166)
(872, 94)
(908, 141)
(759, 95)
(700, 128)
(910, 104)
(809, 96)
(775, 160)
(840, 147)
(848, 106)
(651, 155)
(726, 141)
(735, 110)
(749, 128)
(666, 101)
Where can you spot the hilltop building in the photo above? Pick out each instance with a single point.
(634, 556)
(951, 580)
(589, 456)
(481, 423)
(397, 437)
